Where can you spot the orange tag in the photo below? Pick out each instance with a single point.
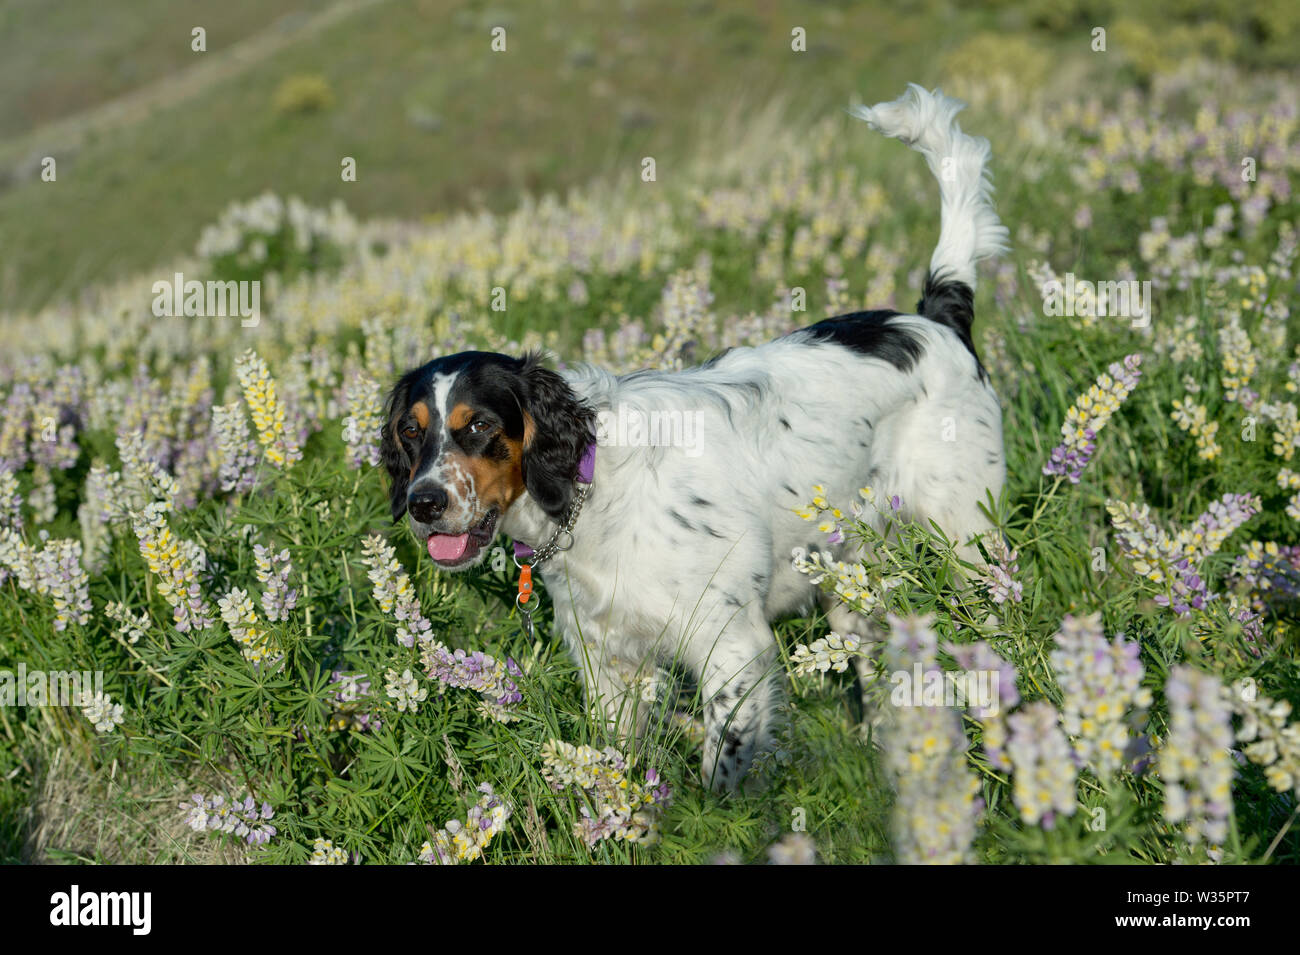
(525, 583)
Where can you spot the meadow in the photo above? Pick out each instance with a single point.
(191, 506)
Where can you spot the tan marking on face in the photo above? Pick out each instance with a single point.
(460, 417)
(421, 412)
(530, 429)
(496, 483)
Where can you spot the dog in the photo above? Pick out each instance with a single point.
(651, 555)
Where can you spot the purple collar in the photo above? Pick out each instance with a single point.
(586, 471)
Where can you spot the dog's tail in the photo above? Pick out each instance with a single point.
(969, 228)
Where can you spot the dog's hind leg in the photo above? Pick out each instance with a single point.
(740, 694)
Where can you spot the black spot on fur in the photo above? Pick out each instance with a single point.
(871, 333)
(785, 422)
(681, 520)
(701, 502)
(951, 304)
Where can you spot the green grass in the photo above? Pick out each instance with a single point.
(199, 718)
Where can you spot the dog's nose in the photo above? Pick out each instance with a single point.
(426, 506)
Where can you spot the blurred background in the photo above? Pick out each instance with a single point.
(152, 139)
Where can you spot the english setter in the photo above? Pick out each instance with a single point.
(659, 553)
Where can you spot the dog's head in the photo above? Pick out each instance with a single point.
(465, 437)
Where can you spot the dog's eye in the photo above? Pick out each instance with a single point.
(478, 427)
(410, 432)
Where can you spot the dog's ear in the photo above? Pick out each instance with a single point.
(391, 450)
(558, 429)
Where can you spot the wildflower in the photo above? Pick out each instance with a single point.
(936, 811)
(1286, 434)
(832, 652)
(999, 577)
(1273, 742)
(131, 626)
(361, 426)
(244, 820)
(142, 478)
(269, 411)
(1044, 775)
(351, 696)
(465, 841)
(1101, 683)
(405, 690)
(103, 712)
(476, 670)
(1088, 415)
(176, 562)
(1289, 480)
(1195, 762)
(273, 571)
(794, 848)
(54, 571)
(1271, 571)
(11, 502)
(1190, 417)
(393, 591)
(234, 447)
(324, 852)
(616, 807)
(1237, 357)
(245, 627)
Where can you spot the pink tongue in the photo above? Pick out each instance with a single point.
(447, 546)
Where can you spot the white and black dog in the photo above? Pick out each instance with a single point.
(663, 556)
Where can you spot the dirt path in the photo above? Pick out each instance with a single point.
(210, 68)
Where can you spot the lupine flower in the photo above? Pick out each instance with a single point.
(465, 841)
(477, 671)
(273, 571)
(246, 629)
(999, 577)
(1153, 552)
(324, 852)
(244, 820)
(615, 806)
(1191, 417)
(142, 478)
(11, 502)
(1195, 762)
(235, 448)
(937, 809)
(1089, 415)
(1273, 742)
(393, 591)
(832, 652)
(54, 571)
(103, 712)
(361, 427)
(405, 690)
(1044, 776)
(350, 699)
(1101, 683)
(132, 626)
(269, 411)
(1289, 480)
(176, 562)
(1237, 357)
(1271, 571)
(794, 848)
(41, 499)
